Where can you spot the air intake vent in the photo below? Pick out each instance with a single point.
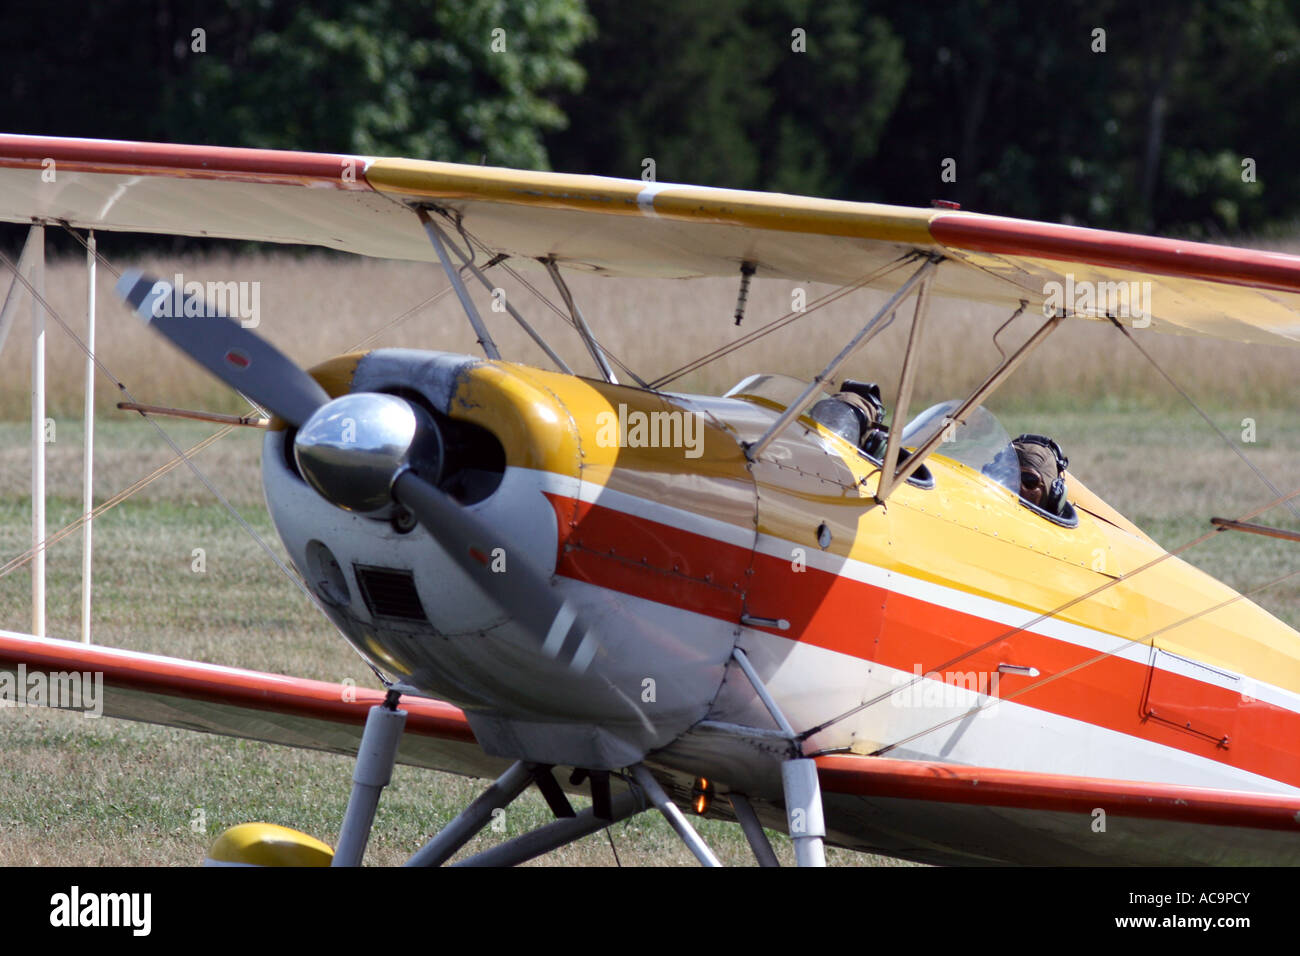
(390, 593)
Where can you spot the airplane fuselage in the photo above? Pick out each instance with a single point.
(932, 609)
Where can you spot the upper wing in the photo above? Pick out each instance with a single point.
(240, 703)
(629, 227)
(945, 813)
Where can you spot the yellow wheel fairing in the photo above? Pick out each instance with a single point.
(268, 844)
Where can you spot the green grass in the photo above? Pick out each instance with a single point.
(80, 791)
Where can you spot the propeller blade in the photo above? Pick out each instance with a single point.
(244, 361)
(520, 589)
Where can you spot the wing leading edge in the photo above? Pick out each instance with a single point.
(628, 227)
(241, 703)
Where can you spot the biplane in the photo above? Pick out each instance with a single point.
(723, 604)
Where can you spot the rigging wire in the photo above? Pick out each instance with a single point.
(176, 449)
(167, 466)
(1082, 664)
(436, 297)
(781, 322)
(1033, 622)
(1237, 450)
(430, 300)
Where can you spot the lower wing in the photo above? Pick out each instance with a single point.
(945, 813)
(932, 812)
(237, 703)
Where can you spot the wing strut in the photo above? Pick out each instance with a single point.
(905, 380)
(976, 398)
(588, 339)
(803, 795)
(440, 243)
(1252, 528)
(876, 324)
(468, 260)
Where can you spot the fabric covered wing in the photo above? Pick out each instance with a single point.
(950, 814)
(629, 227)
(243, 703)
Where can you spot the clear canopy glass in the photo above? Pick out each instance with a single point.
(980, 442)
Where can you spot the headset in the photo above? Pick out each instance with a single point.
(872, 435)
(1054, 502)
(869, 391)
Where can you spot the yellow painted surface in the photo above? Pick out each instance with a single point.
(268, 844)
(966, 533)
(417, 179)
(335, 374)
(960, 535)
(563, 423)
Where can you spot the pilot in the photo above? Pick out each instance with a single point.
(1042, 472)
(855, 413)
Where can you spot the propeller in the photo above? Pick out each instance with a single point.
(365, 452)
(529, 598)
(244, 361)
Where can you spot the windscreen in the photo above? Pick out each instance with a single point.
(980, 442)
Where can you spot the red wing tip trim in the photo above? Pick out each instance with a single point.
(1151, 254)
(335, 170)
(1029, 790)
(174, 677)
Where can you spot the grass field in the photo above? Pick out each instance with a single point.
(104, 792)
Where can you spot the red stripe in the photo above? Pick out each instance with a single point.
(194, 162)
(1193, 260)
(172, 677)
(905, 633)
(615, 550)
(984, 786)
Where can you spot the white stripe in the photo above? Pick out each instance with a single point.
(1015, 736)
(586, 651)
(645, 508)
(940, 595)
(559, 628)
(645, 199)
(1136, 651)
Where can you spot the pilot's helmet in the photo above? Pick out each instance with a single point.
(853, 412)
(1042, 463)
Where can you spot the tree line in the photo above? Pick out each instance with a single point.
(1169, 117)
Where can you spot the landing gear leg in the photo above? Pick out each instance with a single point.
(374, 771)
(803, 807)
(758, 841)
(676, 819)
(475, 816)
(803, 794)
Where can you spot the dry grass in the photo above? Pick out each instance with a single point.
(111, 792)
(317, 305)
